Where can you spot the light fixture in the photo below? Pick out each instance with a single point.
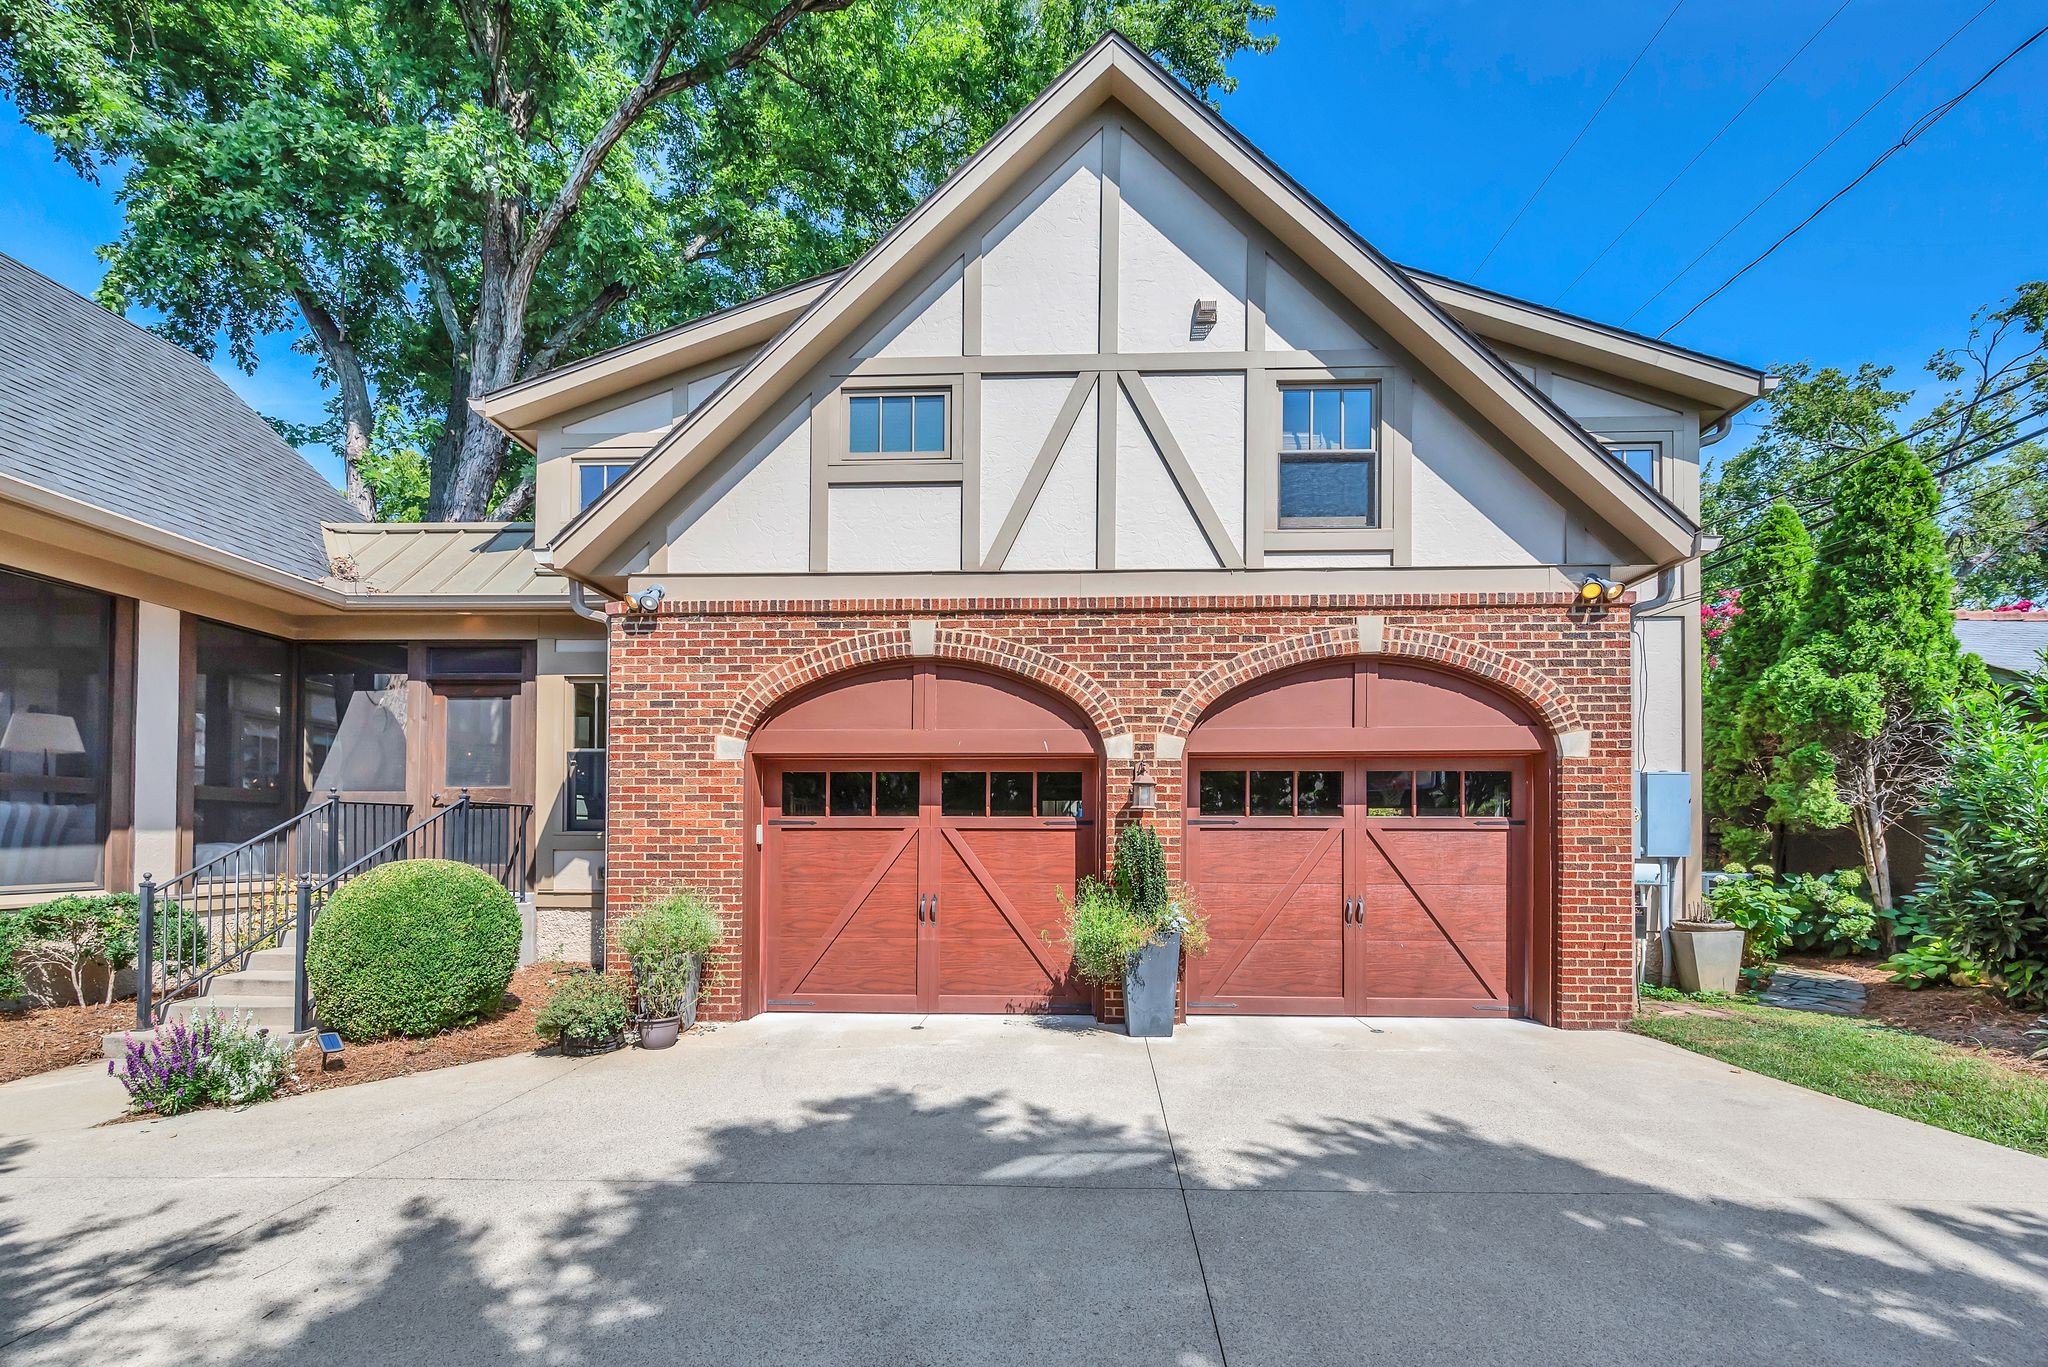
(1597, 589)
(1203, 320)
(649, 598)
(1144, 792)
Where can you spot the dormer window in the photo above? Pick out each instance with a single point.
(896, 426)
(1329, 456)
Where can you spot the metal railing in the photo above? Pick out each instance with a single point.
(212, 917)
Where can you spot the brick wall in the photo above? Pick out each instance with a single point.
(689, 683)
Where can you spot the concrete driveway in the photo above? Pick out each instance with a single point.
(894, 1191)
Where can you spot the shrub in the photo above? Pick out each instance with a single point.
(1103, 932)
(1985, 892)
(586, 1007)
(212, 1060)
(68, 934)
(13, 931)
(1139, 872)
(1754, 901)
(1807, 911)
(664, 940)
(1109, 922)
(412, 948)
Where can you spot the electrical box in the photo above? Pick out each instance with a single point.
(1664, 814)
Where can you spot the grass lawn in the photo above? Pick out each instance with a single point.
(1908, 1075)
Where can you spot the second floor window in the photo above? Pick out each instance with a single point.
(1639, 456)
(1329, 456)
(896, 425)
(594, 477)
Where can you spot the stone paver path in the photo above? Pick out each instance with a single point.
(1812, 989)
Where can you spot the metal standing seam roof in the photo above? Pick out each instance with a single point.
(97, 409)
(438, 559)
(2007, 642)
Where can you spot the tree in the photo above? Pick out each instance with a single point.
(1872, 658)
(441, 198)
(1748, 636)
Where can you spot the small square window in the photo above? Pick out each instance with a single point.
(1009, 795)
(896, 425)
(1436, 792)
(1223, 792)
(1639, 456)
(963, 794)
(1319, 792)
(853, 794)
(803, 794)
(1389, 792)
(1059, 794)
(1272, 792)
(594, 477)
(896, 793)
(1489, 792)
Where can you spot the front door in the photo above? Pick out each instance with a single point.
(1366, 887)
(893, 886)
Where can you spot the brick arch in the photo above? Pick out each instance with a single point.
(1036, 667)
(1533, 689)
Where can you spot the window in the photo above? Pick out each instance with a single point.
(1440, 793)
(56, 670)
(1010, 793)
(1272, 792)
(239, 783)
(586, 755)
(352, 708)
(1639, 456)
(854, 792)
(476, 662)
(594, 477)
(1329, 457)
(479, 737)
(896, 425)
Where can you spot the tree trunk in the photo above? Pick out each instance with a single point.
(356, 414)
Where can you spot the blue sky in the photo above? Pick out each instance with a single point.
(1426, 126)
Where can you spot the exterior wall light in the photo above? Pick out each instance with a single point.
(648, 599)
(1599, 590)
(1144, 792)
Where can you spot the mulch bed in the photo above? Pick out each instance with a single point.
(510, 1030)
(1968, 1017)
(46, 1038)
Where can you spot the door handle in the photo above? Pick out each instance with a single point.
(935, 909)
(920, 908)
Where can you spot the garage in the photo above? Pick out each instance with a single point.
(919, 824)
(1361, 836)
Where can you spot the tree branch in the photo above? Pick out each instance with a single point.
(574, 326)
(357, 417)
(517, 500)
(444, 301)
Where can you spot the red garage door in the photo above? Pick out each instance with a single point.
(1398, 882)
(912, 883)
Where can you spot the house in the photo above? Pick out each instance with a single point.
(201, 642)
(1121, 481)
(2010, 641)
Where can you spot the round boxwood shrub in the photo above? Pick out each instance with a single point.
(411, 949)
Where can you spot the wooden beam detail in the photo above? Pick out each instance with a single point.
(1183, 473)
(1041, 470)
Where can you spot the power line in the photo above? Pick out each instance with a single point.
(1658, 198)
(1573, 146)
(1921, 125)
(1826, 147)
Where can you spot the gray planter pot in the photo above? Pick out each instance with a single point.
(1707, 955)
(660, 1034)
(1148, 989)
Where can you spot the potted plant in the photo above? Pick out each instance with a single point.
(668, 942)
(587, 1013)
(1133, 929)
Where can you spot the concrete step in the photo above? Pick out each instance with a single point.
(283, 961)
(252, 982)
(272, 1011)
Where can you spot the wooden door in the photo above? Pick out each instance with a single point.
(888, 887)
(1268, 853)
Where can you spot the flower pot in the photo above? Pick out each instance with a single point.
(585, 1048)
(1708, 956)
(1149, 981)
(660, 1034)
(689, 1016)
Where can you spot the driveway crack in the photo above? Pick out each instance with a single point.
(1173, 1149)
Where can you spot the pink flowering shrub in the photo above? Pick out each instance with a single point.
(1716, 617)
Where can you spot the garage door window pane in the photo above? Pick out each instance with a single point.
(803, 794)
(963, 794)
(1436, 792)
(852, 794)
(1223, 792)
(1487, 793)
(1272, 792)
(1059, 795)
(1009, 795)
(1389, 792)
(896, 794)
(1320, 792)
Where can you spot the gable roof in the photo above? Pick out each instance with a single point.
(1114, 71)
(98, 410)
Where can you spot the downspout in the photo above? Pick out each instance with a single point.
(580, 605)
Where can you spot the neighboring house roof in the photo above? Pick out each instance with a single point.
(101, 411)
(424, 559)
(2009, 643)
(1114, 70)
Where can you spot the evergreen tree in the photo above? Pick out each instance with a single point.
(1748, 634)
(1873, 656)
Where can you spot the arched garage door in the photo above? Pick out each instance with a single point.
(1360, 836)
(919, 825)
